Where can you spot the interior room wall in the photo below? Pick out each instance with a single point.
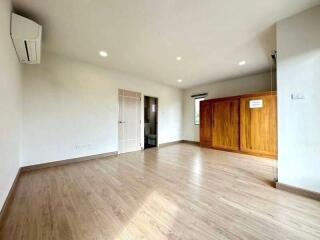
(71, 109)
(244, 85)
(10, 105)
(298, 43)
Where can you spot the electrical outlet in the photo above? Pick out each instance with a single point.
(82, 146)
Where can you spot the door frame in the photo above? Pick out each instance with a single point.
(142, 117)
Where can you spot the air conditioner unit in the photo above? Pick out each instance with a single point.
(26, 37)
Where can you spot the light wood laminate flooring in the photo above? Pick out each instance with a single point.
(175, 192)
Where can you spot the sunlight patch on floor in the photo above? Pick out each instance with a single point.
(153, 220)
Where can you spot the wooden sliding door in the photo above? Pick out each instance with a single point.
(205, 124)
(225, 124)
(259, 125)
(246, 124)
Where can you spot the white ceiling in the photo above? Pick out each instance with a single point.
(144, 37)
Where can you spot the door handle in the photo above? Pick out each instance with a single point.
(121, 122)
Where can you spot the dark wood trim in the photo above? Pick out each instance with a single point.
(169, 143)
(246, 153)
(67, 161)
(10, 196)
(274, 157)
(226, 150)
(191, 142)
(180, 141)
(298, 191)
(219, 149)
(199, 95)
(259, 94)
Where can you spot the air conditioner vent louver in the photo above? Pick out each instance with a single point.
(26, 46)
(26, 37)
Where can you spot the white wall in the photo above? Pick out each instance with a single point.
(239, 86)
(298, 41)
(71, 109)
(10, 101)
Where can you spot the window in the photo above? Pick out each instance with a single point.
(197, 110)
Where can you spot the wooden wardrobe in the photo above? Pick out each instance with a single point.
(246, 124)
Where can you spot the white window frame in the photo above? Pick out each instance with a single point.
(194, 108)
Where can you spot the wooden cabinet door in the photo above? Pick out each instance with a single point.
(259, 126)
(225, 125)
(205, 124)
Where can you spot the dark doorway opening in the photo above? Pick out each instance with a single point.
(150, 122)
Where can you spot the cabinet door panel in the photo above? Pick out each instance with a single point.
(205, 124)
(225, 134)
(259, 126)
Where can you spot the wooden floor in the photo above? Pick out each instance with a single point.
(176, 192)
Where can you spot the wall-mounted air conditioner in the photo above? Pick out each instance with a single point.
(26, 37)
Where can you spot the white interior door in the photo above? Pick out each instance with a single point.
(129, 121)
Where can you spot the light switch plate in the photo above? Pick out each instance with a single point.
(297, 96)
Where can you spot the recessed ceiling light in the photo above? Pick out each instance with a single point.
(103, 53)
(179, 58)
(241, 63)
(179, 80)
